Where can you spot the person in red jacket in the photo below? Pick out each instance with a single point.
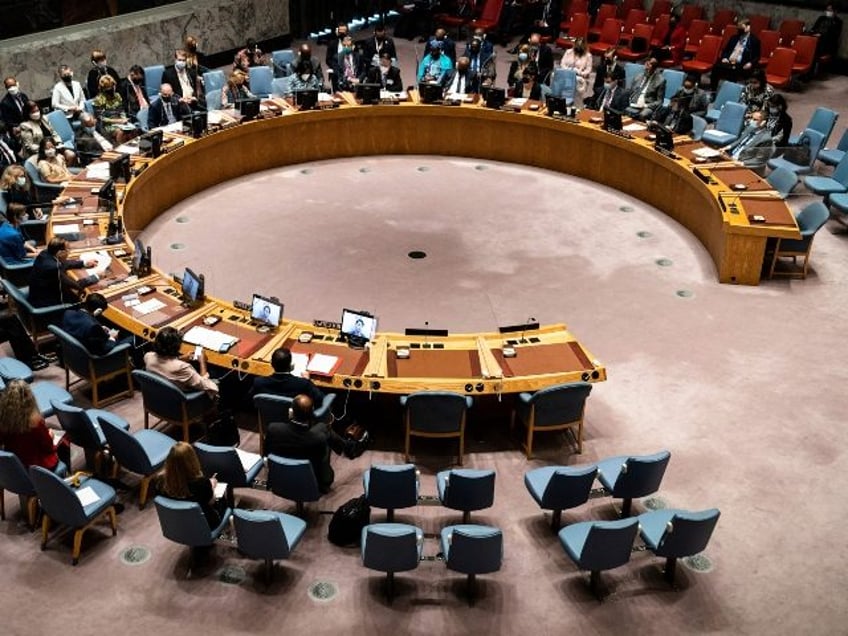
(23, 430)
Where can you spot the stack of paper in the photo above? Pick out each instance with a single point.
(323, 364)
(102, 261)
(148, 307)
(706, 153)
(97, 171)
(209, 338)
(299, 363)
(248, 460)
(87, 496)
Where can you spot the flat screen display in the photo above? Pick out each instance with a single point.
(192, 286)
(359, 325)
(266, 311)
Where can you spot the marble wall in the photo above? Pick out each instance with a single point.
(145, 38)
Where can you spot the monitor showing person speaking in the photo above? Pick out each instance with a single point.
(248, 108)
(306, 99)
(192, 287)
(358, 326)
(368, 93)
(266, 311)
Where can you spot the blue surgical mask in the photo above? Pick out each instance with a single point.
(609, 85)
(89, 130)
(522, 57)
(180, 65)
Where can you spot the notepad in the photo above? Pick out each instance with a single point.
(706, 153)
(323, 364)
(300, 361)
(248, 460)
(102, 261)
(97, 171)
(209, 338)
(149, 306)
(66, 228)
(87, 496)
(220, 489)
(635, 127)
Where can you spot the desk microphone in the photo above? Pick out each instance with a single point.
(531, 320)
(426, 344)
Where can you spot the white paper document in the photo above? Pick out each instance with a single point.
(706, 153)
(322, 363)
(97, 171)
(102, 259)
(149, 306)
(636, 127)
(87, 496)
(66, 228)
(209, 338)
(299, 363)
(248, 460)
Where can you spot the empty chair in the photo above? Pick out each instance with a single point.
(35, 319)
(661, 27)
(183, 522)
(782, 180)
(627, 477)
(629, 5)
(805, 47)
(699, 125)
(675, 534)
(728, 126)
(558, 488)
(727, 92)
(690, 14)
(82, 427)
(16, 272)
(825, 186)
(608, 36)
(759, 23)
(293, 479)
(78, 508)
(213, 81)
(578, 28)
(282, 62)
(436, 414)
(48, 395)
(769, 41)
(15, 479)
(823, 121)
(143, 452)
(260, 81)
(95, 369)
(237, 469)
(153, 79)
(267, 535)
(472, 550)
(705, 57)
(555, 408)
(390, 548)
(697, 30)
(789, 30)
(280, 86)
(779, 67)
(632, 18)
(635, 51)
(14, 369)
(564, 84)
(721, 19)
(599, 545)
(489, 18)
(466, 490)
(391, 487)
(832, 156)
(605, 12)
(166, 401)
(575, 7)
(810, 220)
(809, 137)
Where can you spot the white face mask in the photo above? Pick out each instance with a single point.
(14, 90)
(35, 116)
(20, 182)
(50, 153)
(180, 65)
(305, 76)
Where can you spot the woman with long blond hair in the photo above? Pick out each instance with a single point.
(184, 480)
(23, 430)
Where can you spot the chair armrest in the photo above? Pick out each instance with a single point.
(118, 349)
(469, 401)
(326, 405)
(525, 397)
(51, 309)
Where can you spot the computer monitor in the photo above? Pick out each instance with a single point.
(368, 93)
(495, 98)
(612, 120)
(119, 169)
(137, 257)
(195, 124)
(665, 138)
(430, 93)
(106, 195)
(248, 108)
(358, 327)
(556, 106)
(306, 99)
(266, 311)
(193, 287)
(150, 143)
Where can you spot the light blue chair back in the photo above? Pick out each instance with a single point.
(466, 489)
(183, 522)
(292, 479)
(631, 70)
(213, 81)
(59, 121)
(699, 125)
(782, 180)
(435, 411)
(823, 121)
(153, 79)
(141, 118)
(79, 427)
(569, 487)
(560, 403)
(88, 105)
(832, 156)
(391, 486)
(564, 84)
(684, 533)
(811, 219)
(58, 499)
(391, 547)
(673, 82)
(732, 119)
(164, 399)
(224, 461)
(282, 62)
(727, 92)
(13, 476)
(130, 451)
(840, 173)
(473, 549)
(260, 81)
(608, 544)
(280, 86)
(265, 534)
(817, 140)
(631, 477)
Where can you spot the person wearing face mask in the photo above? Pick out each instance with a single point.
(304, 52)
(235, 89)
(184, 80)
(133, 91)
(37, 128)
(99, 69)
(614, 97)
(109, 110)
(13, 106)
(334, 47)
(692, 99)
(517, 66)
(646, 94)
(88, 140)
(609, 65)
(441, 39)
(349, 65)
(755, 146)
(829, 29)
(529, 87)
(250, 55)
(541, 55)
(778, 122)
(739, 58)
(378, 44)
(51, 164)
(435, 67)
(168, 109)
(67, 94)
(674, 117)
(15, 187)
(385, 74)
(13, 248)
(462, 79)
(194, 58)
(303, 79)
(49, 284)
(481, 55)
(579, 60)
(756, 93)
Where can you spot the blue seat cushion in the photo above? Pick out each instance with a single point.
(14, 369)
(47, 392)
(537, 480)
(113, 419)
(573, 538)
(609, 469)
(652, 525)
(156, 445)
(104, 491)
(840, 202)
(718, 137)
(831, 156)
(824, 185)
(392, 530)
(780, 162)
(469, 529)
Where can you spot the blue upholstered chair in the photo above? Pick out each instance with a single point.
(280, 86)
(15, 479)
(82, 428)
(439, 414)
(599, 545)
(267, 535)
(143, 452)
(559, 488)
(555, 408)
(95, 369)
(153, 79)
(61, 504)
(631, 71)
(14, 369)
(282, 62)
(673, 83)
(183, 522)
(675, 534)
(391, 487)
(260, 80)
(213, 82)
(227, 464)
(822, 121)
(782, 180)
(59, 121)
(293, 479)
(466, 490)
(390, 548)
(34, 319)
(275, 408)
(699, 125)
(164, 400)
(141, 119)
(727, 92)
(728, 126)
(17, 272)
(816, 139)
(472, 550)
(834, 184)
(832, 156)
(564, 84)
(628, 477)
(810, 220)
(839, 202)
(47, 395)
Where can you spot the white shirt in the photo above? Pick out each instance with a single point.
(66, 98)
(185, 83)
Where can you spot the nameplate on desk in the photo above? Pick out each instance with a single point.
(326, 324)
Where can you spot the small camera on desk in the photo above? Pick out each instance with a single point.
(402, 353)
(509, 352)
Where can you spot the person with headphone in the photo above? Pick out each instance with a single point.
(84, 325)
(49, 283)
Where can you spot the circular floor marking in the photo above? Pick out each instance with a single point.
(365, 170)
(231, 575)
(306, 171)
(417, 254)
(655, 503)
(698, 563)
(135, 555)
(625, 208)
(423, 168)
(664, 262)
(684, 293)
(323, 591)
(177, 246)
(182, 219)
(644, 234)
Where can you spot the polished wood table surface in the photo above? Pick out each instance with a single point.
(698, 197)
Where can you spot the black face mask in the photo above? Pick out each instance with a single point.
(67, 79)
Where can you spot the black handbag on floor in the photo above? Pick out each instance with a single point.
(223, 431)
(348, 521)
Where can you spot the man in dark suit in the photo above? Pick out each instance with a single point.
(542, 54)
(133, 91)
(755, 145)
(83, 325)
(168, 109)
(385, 74)
(13, 108)
(334, 49)
(609, 65)
(462, 80)
(614, 97)
(304, 438)
(378, 44)
(283, 382)
(441, 40)
(48, 282)
(348, 67)
(739, 58)
(183, 79)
